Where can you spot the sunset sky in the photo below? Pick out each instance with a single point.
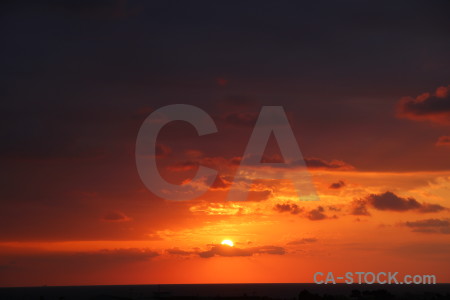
(365, 86)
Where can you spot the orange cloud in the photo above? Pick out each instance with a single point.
(433, 107)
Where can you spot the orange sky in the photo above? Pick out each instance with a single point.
(271, 245)
(116, 231)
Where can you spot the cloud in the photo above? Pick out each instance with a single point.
(118, 255)
(317, 163)
(224, 209)
(227, 251)
(359, 208)
(337, 185)
(431, 208)
(317, 214)
(389, 201)
(115, 216)
(288, 207)
(178, 251)
(443, 141)
(430, 226)
(302, 241)
(224, 250)
(433, 107)
(334, 208)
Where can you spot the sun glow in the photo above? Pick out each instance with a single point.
(228, 243)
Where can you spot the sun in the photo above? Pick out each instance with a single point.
(228, 243)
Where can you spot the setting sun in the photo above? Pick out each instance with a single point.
(228, 243)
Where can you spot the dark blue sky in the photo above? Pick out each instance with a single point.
(78, 77)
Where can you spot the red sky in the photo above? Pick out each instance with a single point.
(366, 92)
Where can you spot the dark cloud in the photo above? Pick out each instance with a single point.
(359, 208)
(178, 251)
(118, 255)
(115, 216)
(334, 208)
(430, 226)
(224, 250)
(389, 201)
(337, 185)
(317, 163)
(288, 207)
(431, 208)
(303, 241)
(427, 107)
(317, 214)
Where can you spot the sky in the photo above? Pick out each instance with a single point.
(366, 90)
